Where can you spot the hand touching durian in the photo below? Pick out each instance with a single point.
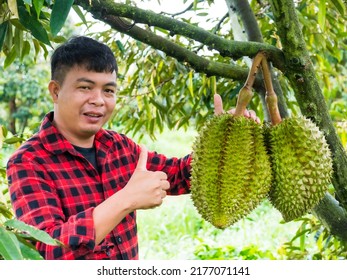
(234, 169)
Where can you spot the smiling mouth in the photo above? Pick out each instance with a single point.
(93, 115)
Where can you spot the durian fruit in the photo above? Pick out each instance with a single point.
(231, 171)
(300, 158)
(302, 166)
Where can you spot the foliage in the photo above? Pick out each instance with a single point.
(327, 247)
(252, 252)
(23, 95)
(157, 91)
(19, 17)
(17, 241)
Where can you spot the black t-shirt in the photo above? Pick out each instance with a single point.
(89, 154)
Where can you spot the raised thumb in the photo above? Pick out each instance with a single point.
(218, 104)
(142, 162)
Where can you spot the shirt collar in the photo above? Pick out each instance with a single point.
(56, 143)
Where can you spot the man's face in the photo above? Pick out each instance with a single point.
(83, 103)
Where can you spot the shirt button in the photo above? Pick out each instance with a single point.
(119, 240)
(108, 252)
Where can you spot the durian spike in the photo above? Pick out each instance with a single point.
(245, 93)
(271, 97)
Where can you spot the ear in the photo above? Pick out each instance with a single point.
(54, 88)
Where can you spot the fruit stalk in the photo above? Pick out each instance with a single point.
(246, 94)
(271, 97)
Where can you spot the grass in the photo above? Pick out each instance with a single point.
(175, 230)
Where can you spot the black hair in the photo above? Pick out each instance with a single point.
(84, 52)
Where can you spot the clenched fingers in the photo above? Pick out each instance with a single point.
(248, 114)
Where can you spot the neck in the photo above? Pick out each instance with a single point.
(83, 142)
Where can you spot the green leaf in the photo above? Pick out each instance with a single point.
(3, 31)
(4, 131)
(4, 211)
(80, 14)
(38, 4)
(15, 22)
(37, 47)
(39, 235)
(14, 139)
(9, 245)
(32, 24)
(18, 40)
(10, 58)
(153, 85)
(25, 50)
(120, 46)
(28, 250)
(322, 14)
(30, 253)
(59, 14)
(340, 6)
(191, 84)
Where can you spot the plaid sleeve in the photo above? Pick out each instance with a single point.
(177, 169)
(36, 202)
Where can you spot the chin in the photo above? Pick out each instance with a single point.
(91, 131)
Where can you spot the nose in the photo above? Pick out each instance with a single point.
(96, 98)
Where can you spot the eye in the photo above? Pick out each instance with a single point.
(84, 87)
(110, 91)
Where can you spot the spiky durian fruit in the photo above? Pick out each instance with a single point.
(231, 171)
(302, 166)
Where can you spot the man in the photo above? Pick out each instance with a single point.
(80, 183)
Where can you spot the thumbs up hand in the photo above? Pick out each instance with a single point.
(142, 162)
(146, 189)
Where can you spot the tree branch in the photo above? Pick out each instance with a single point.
(234, 49)
(191, 5)
(332, 216)
(183, 55)
(189, 58)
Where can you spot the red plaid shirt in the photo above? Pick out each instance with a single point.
(54, 188)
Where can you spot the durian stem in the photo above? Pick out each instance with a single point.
(245, 93)
(271, 97)
(245, 96)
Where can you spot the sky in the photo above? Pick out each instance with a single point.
(174, 6)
